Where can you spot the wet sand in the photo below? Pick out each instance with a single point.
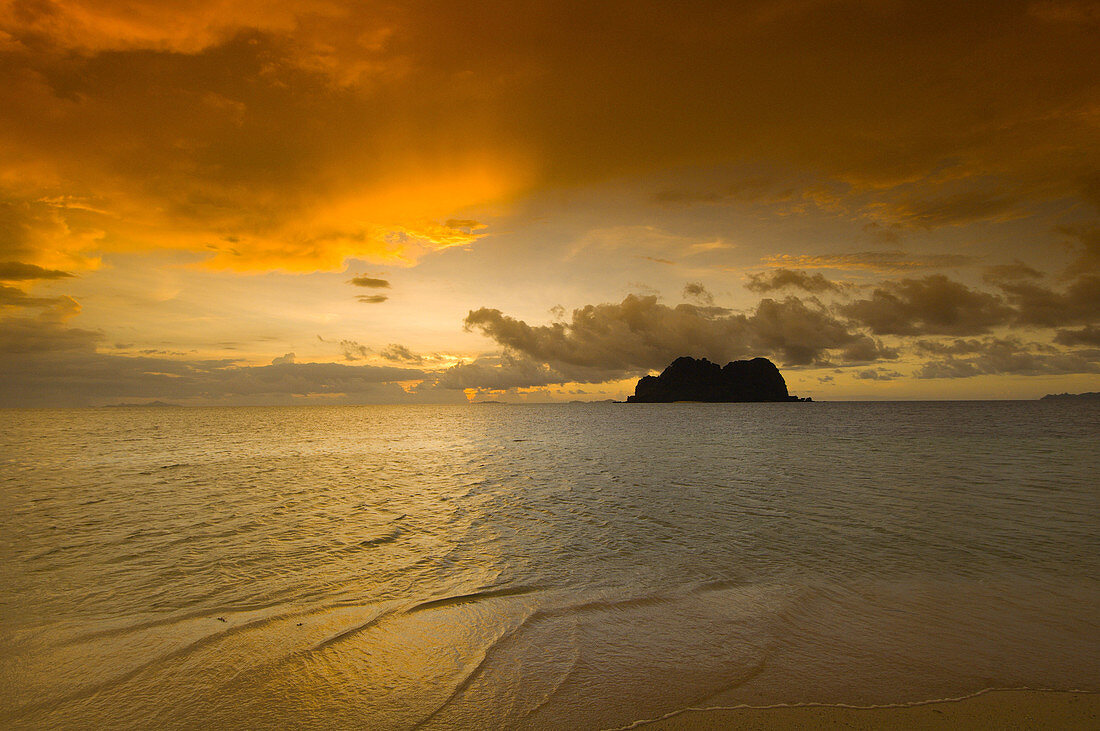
(997, 709)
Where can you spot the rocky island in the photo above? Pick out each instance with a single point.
(688, 379)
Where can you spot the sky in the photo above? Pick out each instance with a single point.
(245, 202)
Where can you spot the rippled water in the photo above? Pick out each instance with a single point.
(539, 566)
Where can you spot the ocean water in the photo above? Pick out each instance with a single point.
(556, 566)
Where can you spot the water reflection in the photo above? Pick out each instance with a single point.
(538, 566)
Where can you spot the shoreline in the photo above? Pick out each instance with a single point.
(992, 708)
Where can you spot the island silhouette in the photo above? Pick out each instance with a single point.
(691, 379)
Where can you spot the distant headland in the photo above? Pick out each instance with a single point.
(688, 379)
(1066, 396)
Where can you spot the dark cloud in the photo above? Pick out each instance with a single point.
(927, 306)
(466, 225)
(353, 350)
(1077, 304)
(14, 271)
(283, 359)
(15, 297)
(401, 354)
(957, 346)
(780, 278)
(365, 281)
(1010, 356)
(877, 374)
(27, 335)
(372, 299)
(696, 292)
(1084, 336)
(639, 334)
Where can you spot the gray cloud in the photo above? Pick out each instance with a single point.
(14, 271)
(877, 374)
(15, 297)
(1085, 336)
(400, 354)
(696, 292)
(780, 278)
(1010, 356)
(26, 335)
(954, 347)
(1078, 304)
(372, 299)
(931, 305)
(352, 350)
(372, 282)
(639, 334)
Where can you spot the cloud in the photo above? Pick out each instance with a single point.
(931, 305)
(780, 278)
(953, 209)
(1010, 356)
(639, 334)
(696, 292)
(23, 336)
(877, 374)
(365, 281)
(1084, 336)
(1087, 249)
(1010, 272)
(1078, 304)
(886, 261)
(401, 354)
(315, 131)
(14, 271)
(15, 297)
(500, 372)
(372, 299)
(59, 366)
(351, 350)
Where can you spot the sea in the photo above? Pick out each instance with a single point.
(539, 566)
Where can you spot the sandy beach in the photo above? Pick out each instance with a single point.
(996, 709)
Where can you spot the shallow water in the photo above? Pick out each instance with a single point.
(539, 566)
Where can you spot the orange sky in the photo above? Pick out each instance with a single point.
(246, 202)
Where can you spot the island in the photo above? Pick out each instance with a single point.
(1088, 395)
(690, 379)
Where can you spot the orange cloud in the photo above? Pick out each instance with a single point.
(294, 135)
